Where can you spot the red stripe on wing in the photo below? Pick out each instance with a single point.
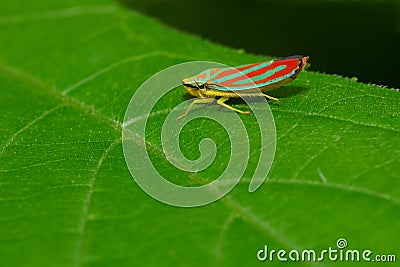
(230, 71)
(292, 64)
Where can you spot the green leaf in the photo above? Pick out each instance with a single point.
(67, 72)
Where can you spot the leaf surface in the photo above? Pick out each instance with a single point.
(67, 72)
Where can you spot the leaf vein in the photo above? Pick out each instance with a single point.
(55, 14)
(87, 203)
(26, 127)
(344, 187)
(108, 68)
(313, 114)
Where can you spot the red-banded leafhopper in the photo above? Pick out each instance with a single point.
(241, 81)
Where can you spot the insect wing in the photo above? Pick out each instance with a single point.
(255, 75)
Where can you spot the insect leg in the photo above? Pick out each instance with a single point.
(223, 99)
(270, 97)
(196, 101)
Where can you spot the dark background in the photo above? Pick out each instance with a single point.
(351, 38)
